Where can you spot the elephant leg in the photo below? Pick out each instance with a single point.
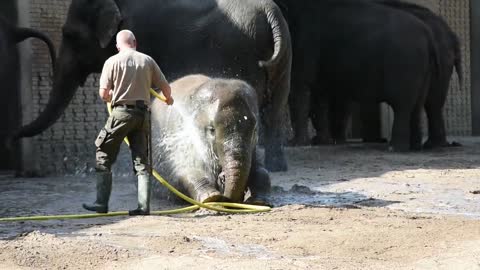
(299, 111)
(436, 128)
(274, 123)
(274, 156)
(400, 141)
(436, 124)
(319, 116)
(407, 106)
(339, 119)
(371, 124)
(416, 136)
(259, 184)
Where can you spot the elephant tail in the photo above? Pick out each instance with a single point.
(458, 59)
(22, 33)
(282, 47)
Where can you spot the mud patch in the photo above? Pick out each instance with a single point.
(34, 250)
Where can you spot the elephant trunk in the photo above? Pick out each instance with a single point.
(236, 171)
(23, 33)
(65, 82)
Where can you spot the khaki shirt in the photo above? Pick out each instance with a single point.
(130, 75)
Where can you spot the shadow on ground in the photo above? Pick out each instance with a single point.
(312, 171)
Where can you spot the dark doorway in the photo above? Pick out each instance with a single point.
(9, 94)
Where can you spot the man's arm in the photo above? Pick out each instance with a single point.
(105, 94)
(158, 79)
(167, 92)
(105, 90)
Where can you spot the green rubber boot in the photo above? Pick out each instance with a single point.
(143, 197)
(104, 188)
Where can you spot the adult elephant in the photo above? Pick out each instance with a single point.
(350, 50)
(224, 38)
(449, 57)
(206, 142)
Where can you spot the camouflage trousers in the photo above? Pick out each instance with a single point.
(124, 122)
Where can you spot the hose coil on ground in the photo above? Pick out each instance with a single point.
(225, 207)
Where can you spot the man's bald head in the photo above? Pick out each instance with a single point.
(126, 40)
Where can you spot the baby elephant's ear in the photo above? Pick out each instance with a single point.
(213, 109)
(108, 20)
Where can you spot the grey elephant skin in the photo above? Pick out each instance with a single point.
(246, 39)
(450, 58)
(10, 36)
(345, 50)
(206, 142)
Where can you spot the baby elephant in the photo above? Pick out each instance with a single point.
(205, 143)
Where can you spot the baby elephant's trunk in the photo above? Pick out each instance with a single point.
(236, 171)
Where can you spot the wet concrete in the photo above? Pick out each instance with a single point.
(65, 195)
(340, 179)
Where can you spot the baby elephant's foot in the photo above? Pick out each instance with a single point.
(211, 196)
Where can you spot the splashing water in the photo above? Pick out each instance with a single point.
(183, 145)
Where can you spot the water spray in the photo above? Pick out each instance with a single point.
(225, 207)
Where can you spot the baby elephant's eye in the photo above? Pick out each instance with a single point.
(210, 129)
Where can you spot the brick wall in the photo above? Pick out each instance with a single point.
(458, 109)
(66, 147)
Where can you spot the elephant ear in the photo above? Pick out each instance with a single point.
(213, 109)
(109, 18)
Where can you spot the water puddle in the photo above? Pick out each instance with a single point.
(299, 194)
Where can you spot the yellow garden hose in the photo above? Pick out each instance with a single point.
(215, 206)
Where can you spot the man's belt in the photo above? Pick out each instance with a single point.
(125, 106)
(139, 104)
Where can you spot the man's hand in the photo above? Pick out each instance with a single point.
(105, 94)
(169, 100)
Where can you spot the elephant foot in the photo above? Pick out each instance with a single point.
(303, 141)
(454, 144)
(416, 147)
(430, 144)
(399, 148)
(339, 141)
(375, 140)
(259, 187)
(320, 140)
(258, 200)
(213, 196)
(204, 191)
